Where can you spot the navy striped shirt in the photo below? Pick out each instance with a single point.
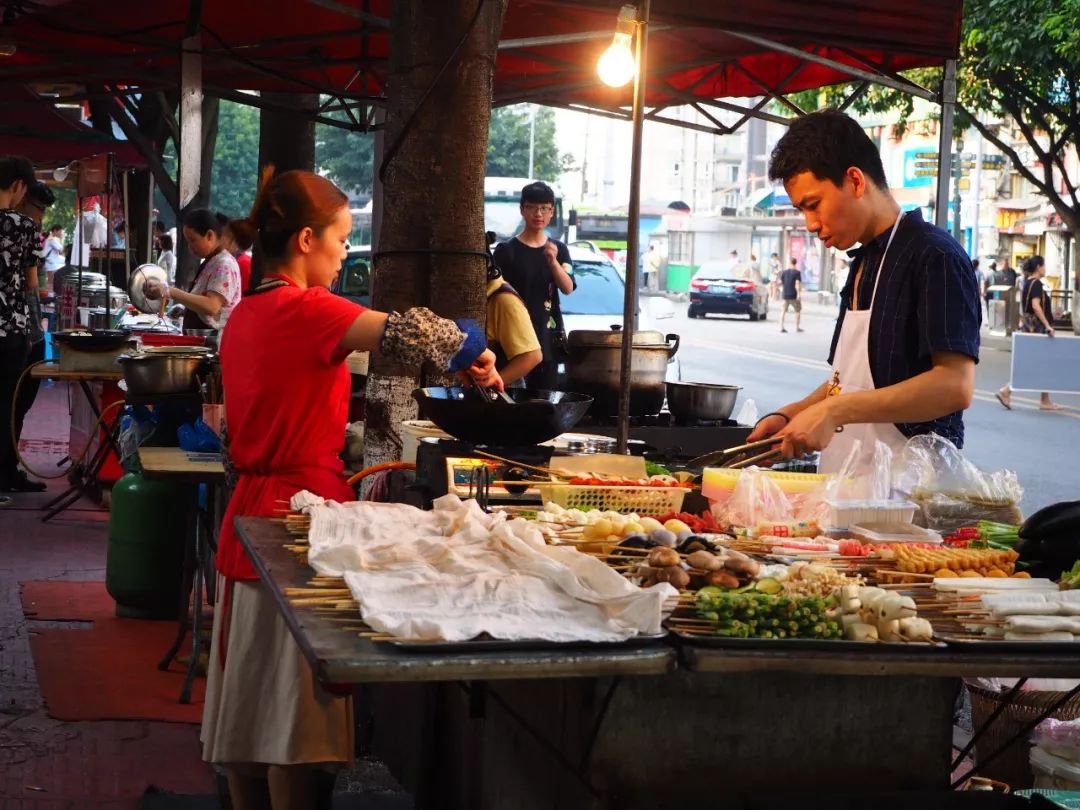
(927, 302)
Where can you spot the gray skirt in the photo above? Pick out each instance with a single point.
(264, 706)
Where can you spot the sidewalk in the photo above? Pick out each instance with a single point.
(49, 764)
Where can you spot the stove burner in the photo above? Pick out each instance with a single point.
(662, 419)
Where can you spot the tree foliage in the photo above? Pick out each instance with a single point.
(234, 177)
(508, 144)
(345, 156)
(1019, 62)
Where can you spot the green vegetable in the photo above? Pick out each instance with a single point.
(754, 614)
(652, 468)
(1071, 579)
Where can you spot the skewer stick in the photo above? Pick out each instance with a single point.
(545, 470)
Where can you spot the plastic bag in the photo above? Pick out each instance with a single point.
(949, 490)
(137, 425)
(748, 413)
(755, 499)
(857, 482)
(198, 438)
(1058, 737)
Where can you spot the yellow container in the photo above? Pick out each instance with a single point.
(718, 482)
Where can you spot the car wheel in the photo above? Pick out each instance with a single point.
(753, 315)
(764, 313)
(691, 313)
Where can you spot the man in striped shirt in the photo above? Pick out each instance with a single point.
(907, 338)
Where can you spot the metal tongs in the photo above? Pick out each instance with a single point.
(491, 394)
(741, 456)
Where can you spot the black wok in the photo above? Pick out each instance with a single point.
(535, 416)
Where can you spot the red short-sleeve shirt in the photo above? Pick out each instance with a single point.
(286, 404)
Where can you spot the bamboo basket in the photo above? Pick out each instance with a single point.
(1013, 766)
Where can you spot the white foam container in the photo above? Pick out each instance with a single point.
(1054, 772)
(894, 533)
(843, 514)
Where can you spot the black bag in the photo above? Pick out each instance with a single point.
(558, 331)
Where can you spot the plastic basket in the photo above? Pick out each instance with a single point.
(642, 500)
(1013, 766)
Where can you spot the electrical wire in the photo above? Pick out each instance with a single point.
(15, 438)
(395, 147)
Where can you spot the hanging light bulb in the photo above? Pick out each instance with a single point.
(618, 65)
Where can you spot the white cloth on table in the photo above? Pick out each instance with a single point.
(455, 572)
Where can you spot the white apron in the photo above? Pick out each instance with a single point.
(851, 363)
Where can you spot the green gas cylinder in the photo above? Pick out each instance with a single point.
(148, 527)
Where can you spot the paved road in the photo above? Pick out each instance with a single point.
(776, 368)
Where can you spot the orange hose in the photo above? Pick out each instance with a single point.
(389, 465)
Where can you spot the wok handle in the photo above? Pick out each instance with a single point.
(672, 349)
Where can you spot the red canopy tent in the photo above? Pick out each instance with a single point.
(35, 129)
(700, 51)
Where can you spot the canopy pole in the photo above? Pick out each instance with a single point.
(945, 155)
(633, 223)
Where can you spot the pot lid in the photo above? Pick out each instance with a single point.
(142, 274)
(607, 338)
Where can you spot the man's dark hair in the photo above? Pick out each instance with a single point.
(159, 226)
(537, 193)
(166, 242)
(826, 143)
(12, 168)
(121, 226)
(40, 194)
(56, 226)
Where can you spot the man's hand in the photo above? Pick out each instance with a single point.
(766, 427)
(810, 430)
(551, 252)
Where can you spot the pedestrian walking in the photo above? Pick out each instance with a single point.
(1034, 319)
(791, 282)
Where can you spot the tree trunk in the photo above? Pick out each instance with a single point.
(1071, 220)
(288, 139)
(433, 187)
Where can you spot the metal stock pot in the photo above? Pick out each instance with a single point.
(594, 363)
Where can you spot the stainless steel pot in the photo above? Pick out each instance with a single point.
(594, 363)
(161, 372)
(699, 401)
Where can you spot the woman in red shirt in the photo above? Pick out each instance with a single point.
(287, 392)
(238, 238)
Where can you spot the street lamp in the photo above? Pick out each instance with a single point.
(616, 67)
(617, 64)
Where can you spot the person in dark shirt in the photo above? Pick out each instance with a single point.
(791, 281)
(1035, 318)
(538, 268)
(18, 243)
(907, 340)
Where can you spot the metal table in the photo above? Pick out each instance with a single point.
(180, 466)
(83, 477)
(573, 729)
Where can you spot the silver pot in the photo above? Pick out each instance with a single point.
(161, 372)
(594, 362)
(699, 401)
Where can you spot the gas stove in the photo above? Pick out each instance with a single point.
(452, 466)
